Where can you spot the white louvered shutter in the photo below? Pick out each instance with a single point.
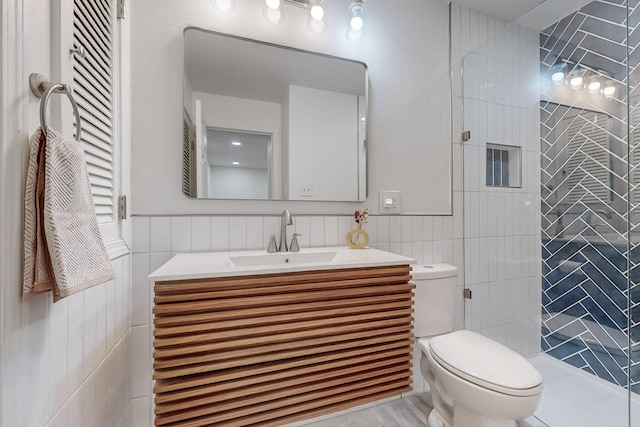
(94, 86)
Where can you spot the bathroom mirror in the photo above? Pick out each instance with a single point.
(268, 122)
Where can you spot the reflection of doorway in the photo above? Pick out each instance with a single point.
(239, 164)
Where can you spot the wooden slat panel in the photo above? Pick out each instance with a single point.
(167, 391)
(240, 318)
(289, 404)
(270, 349)
(236, 357)
(272, 334)
(294, 297)
(239, 282)
(258, 392)
(171, 314)
(164, 387)
(320, 287)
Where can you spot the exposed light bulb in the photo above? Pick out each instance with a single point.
(317, 12)
(357, 23)
(273, 12)
(316, 22)
(273, 4)
(576, 82)
(224, 5)
(594, 87)
(609, 91)
(557, 77)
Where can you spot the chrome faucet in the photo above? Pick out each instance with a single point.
(285, 220)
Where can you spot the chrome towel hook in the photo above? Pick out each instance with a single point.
(43, 89)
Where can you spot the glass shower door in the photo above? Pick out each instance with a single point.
(551, 189)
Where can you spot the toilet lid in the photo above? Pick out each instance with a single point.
(486, 363)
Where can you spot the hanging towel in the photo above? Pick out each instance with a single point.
(64, 250)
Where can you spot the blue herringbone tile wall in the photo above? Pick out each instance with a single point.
(590, 191)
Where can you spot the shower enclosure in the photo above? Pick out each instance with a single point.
(551, 188)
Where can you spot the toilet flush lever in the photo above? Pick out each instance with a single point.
(467, 293)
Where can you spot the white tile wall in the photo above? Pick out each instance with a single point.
(75, 368)
(501, 226)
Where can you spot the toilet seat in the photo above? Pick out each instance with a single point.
(485, 363)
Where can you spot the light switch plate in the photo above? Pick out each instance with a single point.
(389, 201)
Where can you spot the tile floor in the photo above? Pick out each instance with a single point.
(571, 398)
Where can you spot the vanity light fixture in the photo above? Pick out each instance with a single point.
(224, 5)
(235, 163)
(273, 11)
(356, 20)
(236, 143)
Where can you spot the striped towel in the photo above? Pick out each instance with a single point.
(63, 250)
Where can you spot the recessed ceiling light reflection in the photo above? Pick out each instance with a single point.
(236, 143)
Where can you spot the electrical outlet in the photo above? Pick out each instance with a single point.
(306, 190)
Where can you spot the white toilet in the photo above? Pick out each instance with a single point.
(475, 382)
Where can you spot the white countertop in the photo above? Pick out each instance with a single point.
(218, 264)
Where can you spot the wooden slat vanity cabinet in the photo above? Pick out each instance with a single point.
(271, 349)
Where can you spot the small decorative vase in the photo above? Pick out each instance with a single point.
(357, 238)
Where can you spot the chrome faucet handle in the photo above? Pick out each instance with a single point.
(272, 244)
(294, 243)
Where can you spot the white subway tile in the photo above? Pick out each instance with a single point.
(407, 229)
(427, 228)
(331, 231)
(383, 229)
(302, 226)
(141, 234)
(141, 358)
(101, 320)
(395, 229)
(237, 233)
(220, 233)
(316, 231)
(59, 390)
(181, 234)
(371, 227)
(255, 233)
(141, 290)
(141, 412)
(75, 409)
(89, 331)
(416, 251)
(200, 233)
(160, 229)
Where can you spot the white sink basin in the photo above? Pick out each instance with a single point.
(282, 258)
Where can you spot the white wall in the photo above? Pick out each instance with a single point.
(406, 49)
(63, 364)
(322, 156)
(226, 182)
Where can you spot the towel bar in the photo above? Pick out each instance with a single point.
(43, 89)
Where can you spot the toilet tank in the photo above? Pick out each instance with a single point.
(434, 299)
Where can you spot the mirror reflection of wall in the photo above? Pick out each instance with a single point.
(312, 107)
